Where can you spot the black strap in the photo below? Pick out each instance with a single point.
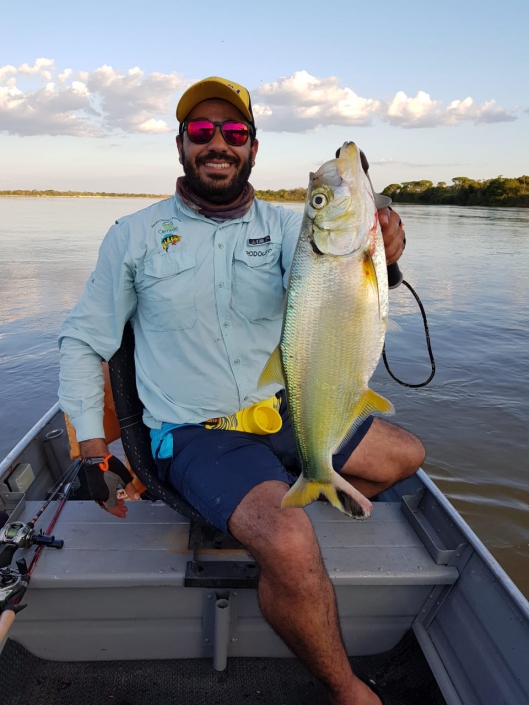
(428, 344)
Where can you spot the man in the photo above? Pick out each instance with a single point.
(202, 276)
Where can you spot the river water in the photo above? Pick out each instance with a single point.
(470, 266)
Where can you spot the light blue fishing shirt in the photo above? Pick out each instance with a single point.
(205, 299)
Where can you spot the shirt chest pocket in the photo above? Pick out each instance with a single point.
(167, 298)
(258, 282)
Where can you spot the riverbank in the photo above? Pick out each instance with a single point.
(286, 195)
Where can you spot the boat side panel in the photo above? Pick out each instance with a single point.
(483, 639)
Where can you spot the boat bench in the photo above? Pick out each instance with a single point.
(116, 590)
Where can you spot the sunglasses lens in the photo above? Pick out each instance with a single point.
(200, 131)
(235, 133)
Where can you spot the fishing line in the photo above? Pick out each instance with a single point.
(428, 344)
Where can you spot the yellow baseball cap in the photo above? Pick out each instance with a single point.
(215, 87)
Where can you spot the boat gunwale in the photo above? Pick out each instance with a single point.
(477, 544)
(30, 436)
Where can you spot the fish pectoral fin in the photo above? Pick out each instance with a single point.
(369, 403)
(273, 370)
(371, 276)
(337, 491)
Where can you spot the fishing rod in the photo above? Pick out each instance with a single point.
(13, 585)
(15, 535)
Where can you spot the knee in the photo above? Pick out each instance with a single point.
(411, 456)
(292, 550)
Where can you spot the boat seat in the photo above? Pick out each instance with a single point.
(135, 436)
(117, 590)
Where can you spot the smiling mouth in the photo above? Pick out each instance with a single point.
(215, 165)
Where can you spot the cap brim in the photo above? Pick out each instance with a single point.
(206, 90)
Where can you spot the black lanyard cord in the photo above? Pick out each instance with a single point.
(428, 344)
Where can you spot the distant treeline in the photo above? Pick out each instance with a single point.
(284, 194)
(80, 194)
(296, 194)
(464, 192)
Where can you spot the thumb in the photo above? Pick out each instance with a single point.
(131, 491)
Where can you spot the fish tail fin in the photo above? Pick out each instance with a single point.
(338, 492)
(353, 502)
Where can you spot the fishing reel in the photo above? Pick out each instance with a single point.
(13, 584)
(20, 535)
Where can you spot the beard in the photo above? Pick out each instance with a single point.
(217, 190)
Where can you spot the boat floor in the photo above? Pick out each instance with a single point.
(26, 680)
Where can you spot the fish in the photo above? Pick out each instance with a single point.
(334, 326)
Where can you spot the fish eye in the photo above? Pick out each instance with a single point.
(319, 200)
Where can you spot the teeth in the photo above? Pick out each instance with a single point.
(224, 165)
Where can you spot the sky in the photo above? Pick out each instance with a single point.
(88, 91)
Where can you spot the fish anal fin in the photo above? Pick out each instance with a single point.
(369, 403)
(273, 370)
(392, 326)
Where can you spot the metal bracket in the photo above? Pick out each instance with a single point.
(222, 574)
(217, 574)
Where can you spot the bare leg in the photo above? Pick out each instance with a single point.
(385, 455)
(295, 594)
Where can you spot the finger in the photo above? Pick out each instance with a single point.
(383, 217)
(395, 248)
(132, 492)
(119, 511)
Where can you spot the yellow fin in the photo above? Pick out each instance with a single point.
(371, 275)
(273, 371)
(368, 404)
(346, 498)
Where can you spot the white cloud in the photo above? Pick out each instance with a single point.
(303, 102)
(39, 100)
(86, 104)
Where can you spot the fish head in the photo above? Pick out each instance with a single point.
(340, 205)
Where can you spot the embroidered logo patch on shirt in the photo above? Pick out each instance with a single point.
(259, 241)
(169, 240)
(168, 229)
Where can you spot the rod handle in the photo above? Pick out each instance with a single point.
(395, 276)
(6, 620)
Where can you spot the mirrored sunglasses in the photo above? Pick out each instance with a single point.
(201, 131)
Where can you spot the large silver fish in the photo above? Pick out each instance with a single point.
(334, 325)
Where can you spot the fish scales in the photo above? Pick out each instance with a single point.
(333, 328)
(325, 373)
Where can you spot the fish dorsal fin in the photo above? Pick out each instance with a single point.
(273, 370)
(368, 403)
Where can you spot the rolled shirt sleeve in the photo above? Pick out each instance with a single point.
(92, 332)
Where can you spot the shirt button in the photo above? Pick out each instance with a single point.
(246, 398)
(236, 361)
(220, 245)
(220, 286)
(225, 324)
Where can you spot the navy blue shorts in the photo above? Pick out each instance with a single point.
(214, 469)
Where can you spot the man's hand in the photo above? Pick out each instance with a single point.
(103, 476)
(393, 234)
